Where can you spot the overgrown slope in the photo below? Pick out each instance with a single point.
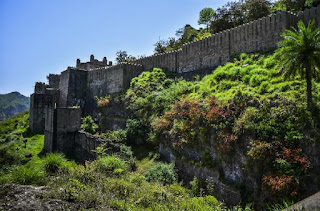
(244, 121)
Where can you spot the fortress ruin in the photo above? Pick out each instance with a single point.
(56, 108)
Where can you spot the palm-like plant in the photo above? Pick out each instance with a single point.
(299, 53)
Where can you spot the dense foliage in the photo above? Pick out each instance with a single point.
(88, 125)
(299, 52)
(163, 173)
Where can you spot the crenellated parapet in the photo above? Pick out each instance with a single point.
(54, 80)
(258, 35)
(310, 14)
(42, 100)
(93, 63)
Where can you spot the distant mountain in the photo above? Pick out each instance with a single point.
(12, 103)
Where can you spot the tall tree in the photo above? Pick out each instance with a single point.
(206, 16)
(299, 53)
(228, 16)
(160, 47)
(186, 34)
(122, 56)
(289, 5)
(256, 9)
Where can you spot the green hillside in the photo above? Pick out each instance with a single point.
(12, 103)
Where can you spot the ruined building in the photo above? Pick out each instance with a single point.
(56, 108)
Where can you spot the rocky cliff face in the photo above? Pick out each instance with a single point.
(235, 177)
(12, 103)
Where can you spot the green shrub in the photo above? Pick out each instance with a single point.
(54, 162)
(28, 175)
(264, 86)
(246, 78)
(137, 131)
(126, 151)
(195, 187)
(256, 80)
(110, 163)
(259, 71)
(270, 62)
(117, 136)
(226, 85)
(10, 154)
(163, 173)
(200, 203)
(88, 125)
(132, 164)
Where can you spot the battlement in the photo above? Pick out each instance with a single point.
(310, 14)
(40, 88)
(259, 35)
(93, 63)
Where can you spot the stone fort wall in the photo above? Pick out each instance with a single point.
(259, 35)
(97, 78)
(77, 86)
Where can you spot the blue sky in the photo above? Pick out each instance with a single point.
(38, 37)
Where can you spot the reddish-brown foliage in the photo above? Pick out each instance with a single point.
(279, 184)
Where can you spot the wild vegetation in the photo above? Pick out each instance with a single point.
(123, 180)
(247, 99)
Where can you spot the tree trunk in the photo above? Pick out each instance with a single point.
(309, 87)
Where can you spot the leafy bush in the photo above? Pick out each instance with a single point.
(163, 173)
(28, 175)
(200, 203)
(111, 163)
(88, 125)
(137, 131)
(9, 155)
(256, 80)
(126, 151)
(195, 187)
(103, 101)
(117, 136)
(54, 163)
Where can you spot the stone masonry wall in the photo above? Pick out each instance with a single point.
(114, 79)
(73, 87)
(54, 80)
(61, 126)
(40, 102)
(259, 35)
